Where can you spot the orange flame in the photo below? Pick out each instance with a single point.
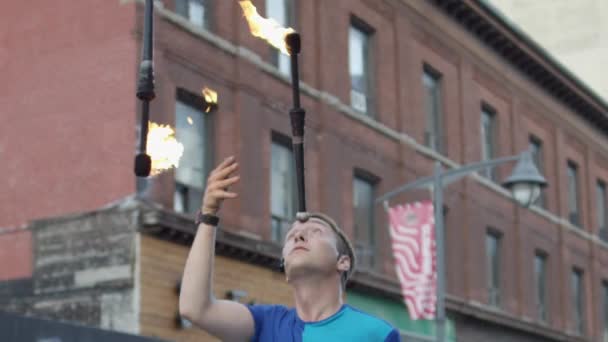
(164, 150)
(210, 96)
(267, 29)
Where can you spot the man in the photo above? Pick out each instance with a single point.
(318, 259)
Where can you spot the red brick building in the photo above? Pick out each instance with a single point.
(390, 87)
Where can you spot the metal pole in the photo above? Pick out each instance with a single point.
(439, 247)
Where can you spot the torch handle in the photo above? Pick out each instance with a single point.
(148, 22)
(143, 128)
(298, 149)
(295, 80)
(297, 125)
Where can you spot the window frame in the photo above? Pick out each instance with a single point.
(196, 103)
(539, 162)
(490, 172)
(574, 217)
(437, 116)
(578, 300)
(494, 281)
(369, 65)
(601, 210)
(285, 142)
(369, 260)
(542, 314)
(184, 12)
(275, 54)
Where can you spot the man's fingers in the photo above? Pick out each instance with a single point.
(224, 183)
(224, 194)
(224, 164)
(220, 174)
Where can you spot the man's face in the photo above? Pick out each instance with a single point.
(310, 247)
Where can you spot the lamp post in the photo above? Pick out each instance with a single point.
(525, 184)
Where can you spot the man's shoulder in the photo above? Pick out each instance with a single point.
(367, 321)
(366, 317)
(269, 310)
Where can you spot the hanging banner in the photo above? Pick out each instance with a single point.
(412, 231)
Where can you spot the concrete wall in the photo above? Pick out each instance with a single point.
(84, 270)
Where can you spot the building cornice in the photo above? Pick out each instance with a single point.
(487, 24)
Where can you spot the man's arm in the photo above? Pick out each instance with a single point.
(227, 320)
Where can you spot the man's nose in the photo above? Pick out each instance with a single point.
(300, 236)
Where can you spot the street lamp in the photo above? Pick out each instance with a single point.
(525, 184)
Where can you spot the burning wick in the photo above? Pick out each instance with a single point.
(164, 150)
(267, 29)
(190, 120)
(210, 99)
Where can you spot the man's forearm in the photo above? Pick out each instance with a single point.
(196, 293)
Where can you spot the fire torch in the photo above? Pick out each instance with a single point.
(297, 115)
(145, 92)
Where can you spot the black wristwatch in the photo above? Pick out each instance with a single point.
(208, 219)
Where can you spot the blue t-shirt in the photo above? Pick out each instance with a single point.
(282, 324)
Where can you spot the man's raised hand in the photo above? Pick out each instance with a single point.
(217, 186)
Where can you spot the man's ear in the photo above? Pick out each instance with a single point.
(343, 264)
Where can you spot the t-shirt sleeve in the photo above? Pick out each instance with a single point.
(261, 315)
(393, 336)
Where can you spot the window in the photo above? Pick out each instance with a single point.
(196, 11)
(493, 267)
(601, 209)
(359, 65)
(605, 309)
(193, 130)
(488, 139)
(281, 11)
(432, 92)
(282, 187)
(363, 206)
(536, 146)
(578, 304)
(573, 207)
(540, 282)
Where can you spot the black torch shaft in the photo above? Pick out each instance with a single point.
(145, 91)
(297, 115)
(295, 80)
(143, 128)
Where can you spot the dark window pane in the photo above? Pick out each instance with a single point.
(196, 11)
(538, 157)
(359, 69)
(432, 95)
(191, 127)
(540, 276)
(573, 206)
(493, 268)
(488, 140)
(282, 190)
(601, 209)
(363, 206)
(578, 304)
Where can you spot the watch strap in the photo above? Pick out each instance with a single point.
(208, 219)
